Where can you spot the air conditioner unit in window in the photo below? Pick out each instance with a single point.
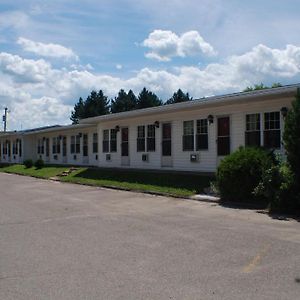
(145, 157)
(108, 157)
(194, 157)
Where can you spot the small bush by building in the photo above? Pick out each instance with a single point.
(39, 164)
(240, 173)
(28, 163)
(277, 187)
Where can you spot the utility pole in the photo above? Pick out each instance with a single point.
(5, 118)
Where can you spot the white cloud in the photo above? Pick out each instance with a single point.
(14, 19)
(38, 94)
(119, 66)
(165, 44)
(26, 70)
(46, 50)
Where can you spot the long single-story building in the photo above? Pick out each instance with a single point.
(187, 136)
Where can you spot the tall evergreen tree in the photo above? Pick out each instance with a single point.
(96, 104)
(178, 97)
(123, 102)
(147, 99)
(78, 111)
(291, 138)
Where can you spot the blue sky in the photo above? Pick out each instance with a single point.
(53, 52)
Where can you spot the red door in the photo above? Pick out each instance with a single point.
(223, 139)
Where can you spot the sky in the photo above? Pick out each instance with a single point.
(53, 52)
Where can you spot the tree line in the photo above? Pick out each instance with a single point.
(97, 104)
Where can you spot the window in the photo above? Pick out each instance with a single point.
(5, 147)
(85, 145)
(95, 143)
(113, 140)
(20, 148)
(252, 134)
(151, 138)
(272, 130)
(47, 147)
(202, 135)
(105, 142)
(72, 144)
(39, 146)
(58, 144)
(64, 146)
(8, 148)
(140, 138)
(54, 143)
(188, 136)
(14, 148)
(77, 144)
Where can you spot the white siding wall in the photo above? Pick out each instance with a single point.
(208, 159)
(71, 158)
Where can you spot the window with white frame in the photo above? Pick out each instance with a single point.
(54, 145)
(252, 134)
(15, 147)
(188, 136)
(113, 140)
(202, 135)
(105, 141)
(72, 144)
(140, 138)
(272, 134)
(95, 143)
(151, 138)
(39, 145)
(77, 143)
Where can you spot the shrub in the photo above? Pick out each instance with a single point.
(239, 174)
(39, 164)
(291, 137)
(278, 187)
(28, 163)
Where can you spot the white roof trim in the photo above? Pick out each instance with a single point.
(209, 101)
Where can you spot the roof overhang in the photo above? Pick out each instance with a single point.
(214, 101)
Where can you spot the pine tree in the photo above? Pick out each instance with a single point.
(96, 104)
(123, 102)
(147, 99)
(178, 97)
(78, 111)
(291, 137)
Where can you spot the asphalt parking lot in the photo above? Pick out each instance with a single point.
(64, 241)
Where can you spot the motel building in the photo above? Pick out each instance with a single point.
(188, 136)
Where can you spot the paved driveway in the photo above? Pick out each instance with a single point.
(63, 241)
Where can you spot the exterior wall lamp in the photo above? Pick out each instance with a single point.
(117, 128)
(210, 119)
(284, 111)
(156, 124)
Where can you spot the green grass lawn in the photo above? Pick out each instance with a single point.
(175, 184)
(46, 172)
